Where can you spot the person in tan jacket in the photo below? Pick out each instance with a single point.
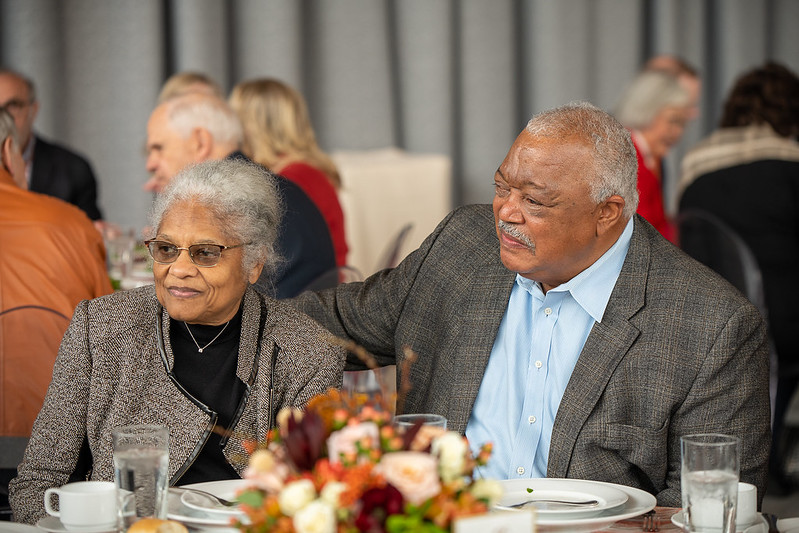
(52, 259)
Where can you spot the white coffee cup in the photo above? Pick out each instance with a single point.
(746, 512)
(85, 505)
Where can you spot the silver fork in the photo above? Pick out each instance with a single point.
(212, 497)
(651, 522)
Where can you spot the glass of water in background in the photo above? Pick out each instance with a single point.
(141, 468)
(710, 469)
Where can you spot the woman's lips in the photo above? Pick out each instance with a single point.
(183, 292)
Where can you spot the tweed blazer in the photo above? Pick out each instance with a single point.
(110, 372)
(678, 351)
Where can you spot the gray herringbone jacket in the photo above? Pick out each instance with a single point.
(678, 351)
(111, 372)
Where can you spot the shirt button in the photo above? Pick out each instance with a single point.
(539, 364)
(548, 311)
(531, 419)
(520, 470)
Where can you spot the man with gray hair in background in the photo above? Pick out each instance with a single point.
(562, 327)
(50, 168)
(199, 127)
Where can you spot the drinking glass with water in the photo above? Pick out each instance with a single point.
(141, 471)
(710, 469)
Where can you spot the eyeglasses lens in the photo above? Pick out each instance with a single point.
(206, 255)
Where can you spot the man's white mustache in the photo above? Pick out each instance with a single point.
(514, 232)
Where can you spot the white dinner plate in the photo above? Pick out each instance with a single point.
(758, 526)
(203, 502)
(202, 519)
(516, 492)
(54, 525)
(638, 502)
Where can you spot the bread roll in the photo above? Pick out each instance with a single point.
(155, 525)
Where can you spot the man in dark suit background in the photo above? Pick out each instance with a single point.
(199, 127)
(562, 327)
(50, 168)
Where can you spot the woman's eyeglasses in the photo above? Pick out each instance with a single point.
(202, 255)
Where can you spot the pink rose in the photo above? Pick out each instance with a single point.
(414, 474)
(345, 441)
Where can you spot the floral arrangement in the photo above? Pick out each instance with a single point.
(341, 466)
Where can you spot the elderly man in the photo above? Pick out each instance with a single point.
(563, 327)
(49, 168)
(200, 127)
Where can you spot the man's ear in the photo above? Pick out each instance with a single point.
(202, 143)
(611, 211)
(6, 153)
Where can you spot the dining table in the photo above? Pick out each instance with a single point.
(664, 522)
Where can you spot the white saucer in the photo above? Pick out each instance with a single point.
(758, 526)
(14, 527)
(54, 525)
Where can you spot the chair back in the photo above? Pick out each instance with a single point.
(709, 240)
(392, 256)
(333, 277)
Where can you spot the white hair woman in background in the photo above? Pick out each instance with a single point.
(655, 108)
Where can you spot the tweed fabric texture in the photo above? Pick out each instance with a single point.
(678, 351)
(109, 373)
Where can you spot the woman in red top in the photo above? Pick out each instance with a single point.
(655, 107)
(278, 134)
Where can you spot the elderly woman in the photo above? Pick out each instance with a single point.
(655, 107)
(200, 352)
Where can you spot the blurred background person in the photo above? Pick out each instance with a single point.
(655, 108)
(278, 134)
(746, 173)
(52, 258)
(686, 74)
(187, 82)
(198, 127)
(200, 352)
(50, 168)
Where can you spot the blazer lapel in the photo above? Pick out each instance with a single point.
(604, 349)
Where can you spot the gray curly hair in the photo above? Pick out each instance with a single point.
(241, 195)
(615, 162)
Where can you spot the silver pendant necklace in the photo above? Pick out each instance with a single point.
(200, 350)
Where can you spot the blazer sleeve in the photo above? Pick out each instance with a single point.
(729, 395)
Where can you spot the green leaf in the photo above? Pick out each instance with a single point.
(253, 498)
(529, 490)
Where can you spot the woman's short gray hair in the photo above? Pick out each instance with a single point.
(615, 161)
(242, 196)
(648, 94)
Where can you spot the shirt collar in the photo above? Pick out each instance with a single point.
(592, 287)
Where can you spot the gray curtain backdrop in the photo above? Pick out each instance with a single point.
(459, 77)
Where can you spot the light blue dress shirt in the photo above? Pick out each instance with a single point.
(537, 345)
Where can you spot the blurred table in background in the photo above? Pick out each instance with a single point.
(384, 191)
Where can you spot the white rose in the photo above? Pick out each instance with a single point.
(295, 496)
(487, 489)
(451, 449)
(412, 473)
(331, 492)
(316, 517)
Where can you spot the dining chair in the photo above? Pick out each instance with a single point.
(11, 450)
(334, 277)
(391, 256)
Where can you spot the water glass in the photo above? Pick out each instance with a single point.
(710, 468)
(141, 470)
(426, 419)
